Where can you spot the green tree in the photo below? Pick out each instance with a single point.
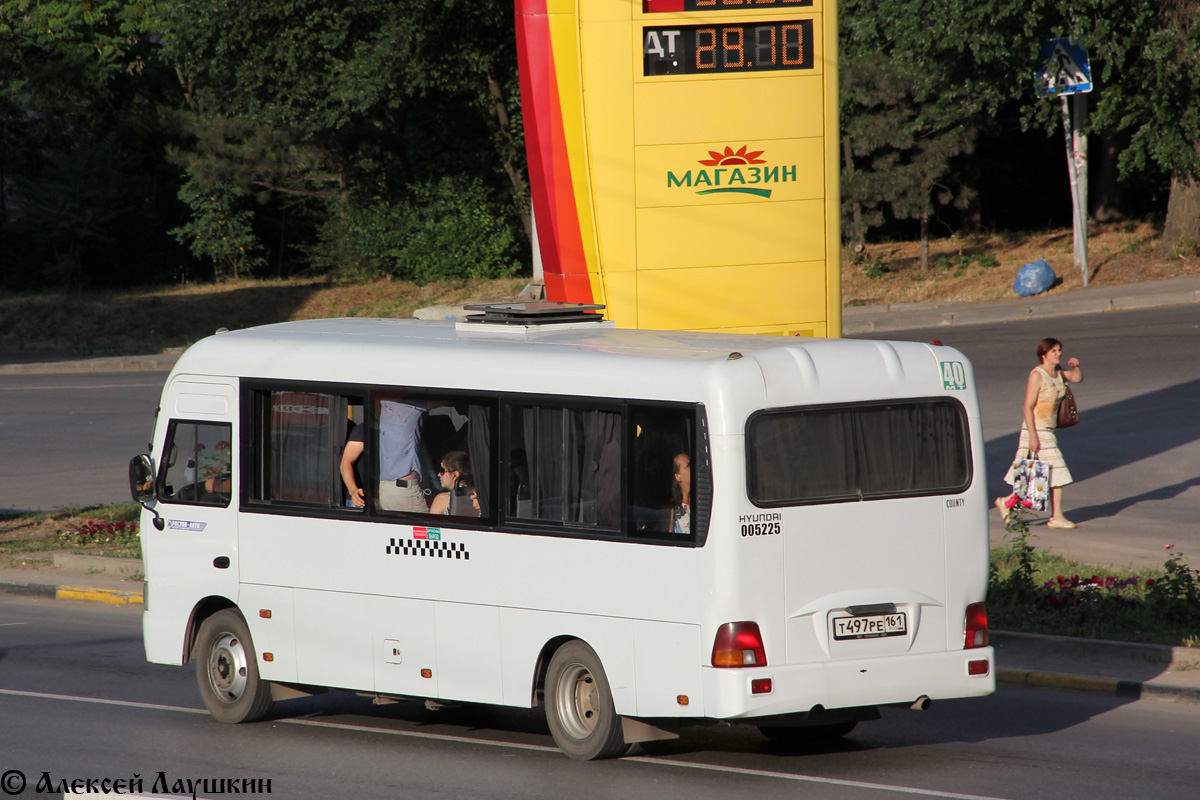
(219, 229)
(78, 141)
(917, 91)
(1146, 56)
(331, 112)
(906, 148)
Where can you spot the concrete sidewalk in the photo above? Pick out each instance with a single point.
(1092, 300)
(67, 576)
(34, 363)
(1117, 669)
(855, 321)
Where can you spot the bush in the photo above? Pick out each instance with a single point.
(447, 229)
(1037, 592)
(219, 230)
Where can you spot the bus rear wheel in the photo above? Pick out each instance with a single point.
(227, 670)
(579, 705)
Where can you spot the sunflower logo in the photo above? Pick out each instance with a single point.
(730, 171)
(733, 157)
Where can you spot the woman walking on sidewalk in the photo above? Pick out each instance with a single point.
(1043, 393)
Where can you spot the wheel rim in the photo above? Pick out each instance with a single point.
(227, 668)
(578, 701)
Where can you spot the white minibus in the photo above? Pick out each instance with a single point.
(635, 529)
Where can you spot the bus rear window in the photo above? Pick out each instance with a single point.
(859, 452)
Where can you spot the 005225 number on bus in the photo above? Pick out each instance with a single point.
(761, 528)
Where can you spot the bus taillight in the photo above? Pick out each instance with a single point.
(739, 644)
(976, 627)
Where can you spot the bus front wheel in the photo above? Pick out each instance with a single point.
(579, 705)
(227, 670)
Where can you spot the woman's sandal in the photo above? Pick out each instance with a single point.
(1004, 510)
(1064, 524)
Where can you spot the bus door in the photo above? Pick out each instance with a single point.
(195, 553)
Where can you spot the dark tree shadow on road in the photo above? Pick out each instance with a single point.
(1113, 437)
(1111, 509)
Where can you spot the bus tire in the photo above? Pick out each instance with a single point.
(227, 670)
(579, 705)
(806, 734)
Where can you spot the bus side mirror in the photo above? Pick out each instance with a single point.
(141, 484)
(141, 478)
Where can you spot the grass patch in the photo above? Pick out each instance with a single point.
(109, 530)
(151, 319)
(1032, 591)
(959, 263)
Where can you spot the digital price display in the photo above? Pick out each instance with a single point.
(740, 47)
(674, 6)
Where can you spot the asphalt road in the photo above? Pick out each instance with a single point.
(77, 701)
(66, 439)
(1135, 454)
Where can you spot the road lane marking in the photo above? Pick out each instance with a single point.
(10, 624)
(101, 701)
(442, 737)
(787, 776)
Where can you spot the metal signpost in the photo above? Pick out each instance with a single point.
(1063, 71)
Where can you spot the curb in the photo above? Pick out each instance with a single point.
(860, 320)
(1113, 687)
(158, 362)
(1073, 683)
(112, 597)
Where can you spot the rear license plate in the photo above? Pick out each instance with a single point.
(871, 627)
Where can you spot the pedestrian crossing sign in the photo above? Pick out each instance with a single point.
(1064, 69)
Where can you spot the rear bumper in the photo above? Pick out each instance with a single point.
(846, 684)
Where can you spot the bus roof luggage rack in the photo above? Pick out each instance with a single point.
(534, 313)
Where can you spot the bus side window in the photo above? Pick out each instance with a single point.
(199, 464)
(659, 437)
(299, 438)
(569, 470)
(423, 430)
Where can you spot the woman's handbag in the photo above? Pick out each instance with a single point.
(1068, 412)
(1031, 482)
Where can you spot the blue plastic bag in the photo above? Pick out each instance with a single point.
(1034, 279)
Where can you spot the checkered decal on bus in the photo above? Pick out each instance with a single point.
(424, 547)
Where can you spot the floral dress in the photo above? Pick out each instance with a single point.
(1045, 418)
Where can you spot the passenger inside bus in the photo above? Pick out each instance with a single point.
(399, 464)
(399, 478)
(681, 494)
(349, 465)
(455, 468)
(464, 500)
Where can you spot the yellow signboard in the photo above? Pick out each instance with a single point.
(683, 159)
